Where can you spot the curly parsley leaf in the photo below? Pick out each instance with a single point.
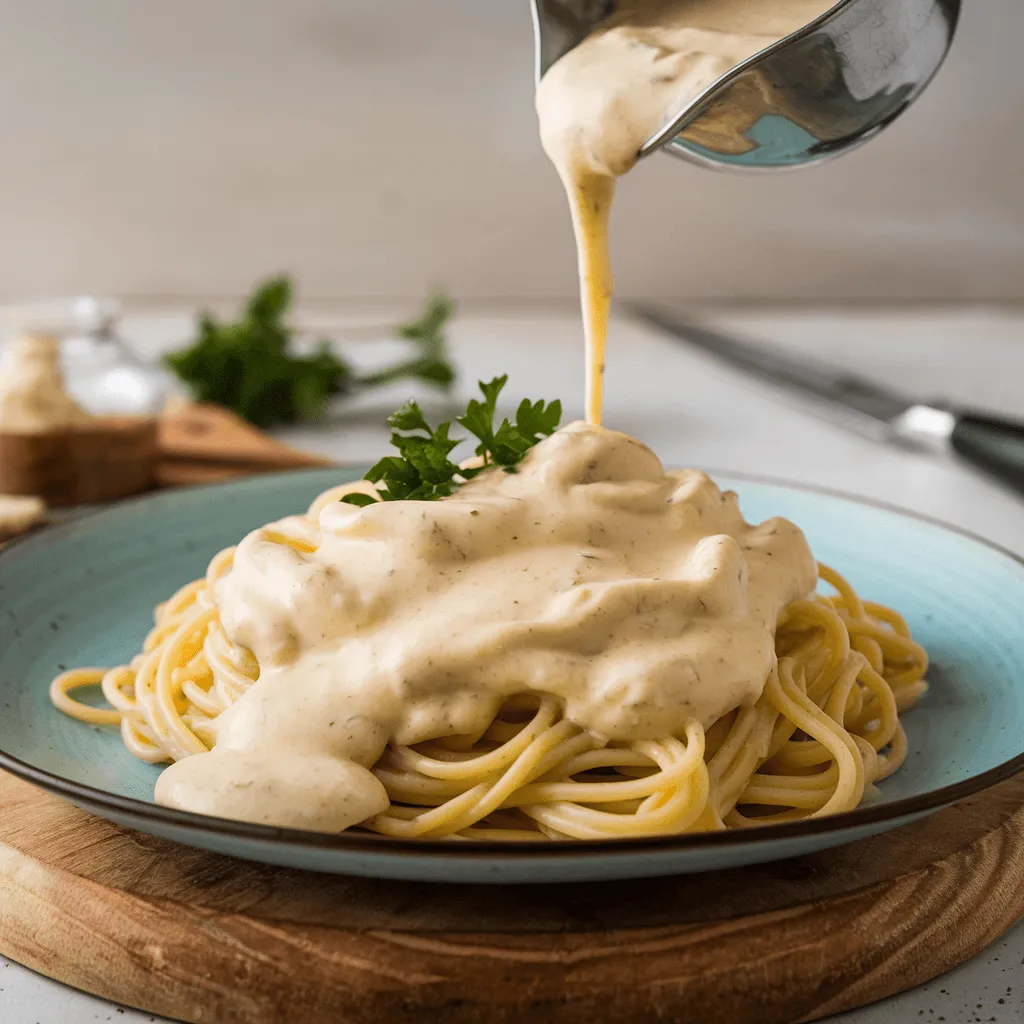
(478, 418)
(423, 470)
(248, 366)
(537, 420)
(509, 442)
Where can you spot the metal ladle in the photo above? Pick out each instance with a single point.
(819, 92)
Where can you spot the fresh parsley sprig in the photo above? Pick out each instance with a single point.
(423, 470)
(247, 364)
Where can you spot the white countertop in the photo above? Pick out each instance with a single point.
(694, 412)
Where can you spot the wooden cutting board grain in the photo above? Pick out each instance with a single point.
(205, 938)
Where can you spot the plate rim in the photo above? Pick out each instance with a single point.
(361, 843)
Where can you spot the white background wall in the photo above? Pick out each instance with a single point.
(185, 147)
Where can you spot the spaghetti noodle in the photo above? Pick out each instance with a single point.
(821, 730)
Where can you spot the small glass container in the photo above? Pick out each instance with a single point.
(101, 372)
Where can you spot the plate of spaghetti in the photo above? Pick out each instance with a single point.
(557, 660)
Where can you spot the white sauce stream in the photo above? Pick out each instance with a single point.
(604, 99)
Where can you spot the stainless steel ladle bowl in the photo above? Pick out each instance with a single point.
(818, 92)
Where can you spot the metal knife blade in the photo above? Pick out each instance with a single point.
(868, 407)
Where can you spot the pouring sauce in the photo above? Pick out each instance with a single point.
(639, 598)
(600, 102)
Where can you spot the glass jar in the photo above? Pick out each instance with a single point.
(101, 372)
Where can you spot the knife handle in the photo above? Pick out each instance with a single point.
(993, 444)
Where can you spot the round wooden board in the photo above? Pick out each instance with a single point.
(205, 938)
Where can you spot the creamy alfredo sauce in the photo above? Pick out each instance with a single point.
(604, 99)
(639, 597)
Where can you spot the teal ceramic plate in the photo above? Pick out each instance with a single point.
(83, 593)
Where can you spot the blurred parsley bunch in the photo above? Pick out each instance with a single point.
(247, 366)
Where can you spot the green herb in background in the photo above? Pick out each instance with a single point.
(247, 366)
(430, 364)
(422, 469)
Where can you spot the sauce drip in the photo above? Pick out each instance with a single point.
(604, 99)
